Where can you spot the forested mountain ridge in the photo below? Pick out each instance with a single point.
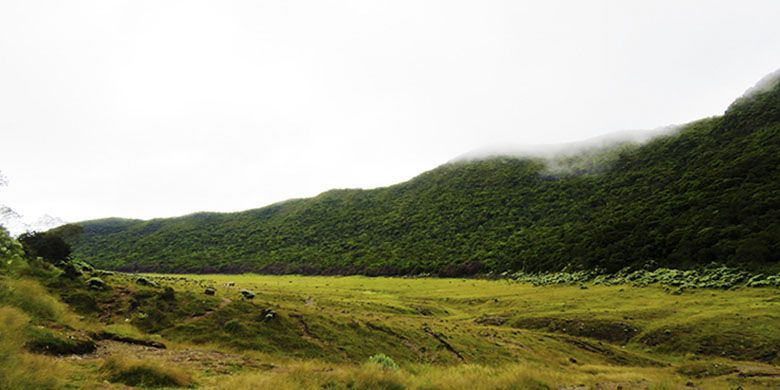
(710, 192)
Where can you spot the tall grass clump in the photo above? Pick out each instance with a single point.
(21, 370)
(30, 297)
(318, 375)
(144, 373)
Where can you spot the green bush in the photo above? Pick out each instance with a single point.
(11, 253)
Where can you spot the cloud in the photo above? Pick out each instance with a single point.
(550, 152)
(765, 84)
(16, 223)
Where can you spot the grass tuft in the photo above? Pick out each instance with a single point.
(143, 373)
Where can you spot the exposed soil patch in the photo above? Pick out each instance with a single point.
(706, 370)
(612, 331)
(492, 320)
(748, 370)
(441, 339)
(307, 334)
(640, 384)
(611, 354)
(194, 359)
(403, 339)
(128, 340)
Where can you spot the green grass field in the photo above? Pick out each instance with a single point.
(321, 332)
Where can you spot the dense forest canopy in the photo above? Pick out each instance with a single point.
(710, 192)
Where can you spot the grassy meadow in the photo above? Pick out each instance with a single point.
(301, 332)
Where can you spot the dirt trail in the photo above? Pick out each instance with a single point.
(747, 370)
(195, 359)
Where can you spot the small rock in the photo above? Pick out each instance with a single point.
(96, 283)
(146, 282)
(247, 294)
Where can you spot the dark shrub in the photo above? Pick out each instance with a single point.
(168, 294)
(46, 342)
(146, 282)
(96, 284)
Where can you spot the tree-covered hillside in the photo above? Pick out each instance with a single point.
(708, 193)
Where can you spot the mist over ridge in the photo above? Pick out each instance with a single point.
(567, 149)
(590, 155)
(764, 85)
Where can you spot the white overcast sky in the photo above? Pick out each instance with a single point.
(160, 108)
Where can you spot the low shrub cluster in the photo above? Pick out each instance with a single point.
(383, 361)
(713, 276)
(11, 253)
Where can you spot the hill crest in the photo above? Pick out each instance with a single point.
(707, 191)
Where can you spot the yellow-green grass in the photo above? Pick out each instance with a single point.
(484, 324)
(18, 368)
(688, 323)
(30, 297)
(316, 375)
(443, 333)
(135, 372)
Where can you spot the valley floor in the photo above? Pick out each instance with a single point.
(325, 332)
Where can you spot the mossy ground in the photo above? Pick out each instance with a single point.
(320, 332)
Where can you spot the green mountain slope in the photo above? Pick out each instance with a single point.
(709, 192)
